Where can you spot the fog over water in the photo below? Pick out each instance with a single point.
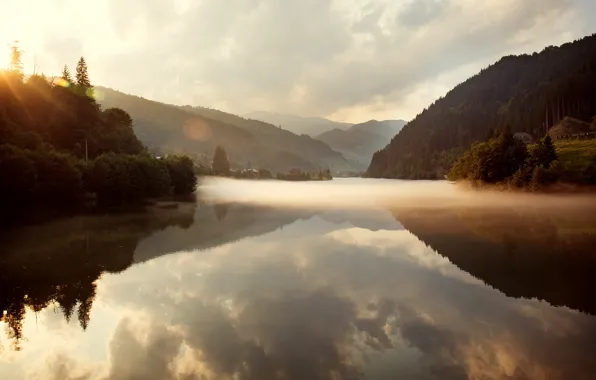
(361, 193)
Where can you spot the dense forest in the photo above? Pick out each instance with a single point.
(58, 146)
(197, 131)
(527, 93)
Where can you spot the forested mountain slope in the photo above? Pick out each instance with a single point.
(312, 126)
(361, 141)
(197, 131)
(301, 145)
(523, 92)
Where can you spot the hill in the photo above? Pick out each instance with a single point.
(311, 126)
(197, 131)
(578, 160)
(300, 145)
(361, 141)
(523, 92)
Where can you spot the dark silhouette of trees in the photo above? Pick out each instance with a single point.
(506, 160)
(58, 263)
(529, 93)
(56, 144)
(221, 164)
(181, 170)
(66, 74)
(82, 75)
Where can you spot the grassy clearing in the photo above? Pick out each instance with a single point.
(576, 156)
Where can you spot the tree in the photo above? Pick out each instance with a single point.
(82, 76)
(181, 169)
(16, 61)
(66, 74)
(542, 154)
(538, 179)
(221, 165)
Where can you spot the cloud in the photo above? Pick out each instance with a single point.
(352, 59)
(251, 55)
(323, 308)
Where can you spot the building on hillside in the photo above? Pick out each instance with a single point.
(569, 127)
(524, 137)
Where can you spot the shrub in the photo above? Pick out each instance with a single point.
(182, 175)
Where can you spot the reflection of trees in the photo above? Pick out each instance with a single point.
(548, 254)
(59, 263)
(221, 210)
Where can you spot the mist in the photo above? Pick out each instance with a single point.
(364, 194)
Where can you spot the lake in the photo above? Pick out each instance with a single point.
(347, 279)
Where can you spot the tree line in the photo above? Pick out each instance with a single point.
(221, 167)
(57, 144)
(505, 160)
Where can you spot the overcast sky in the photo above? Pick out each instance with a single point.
(349, 60)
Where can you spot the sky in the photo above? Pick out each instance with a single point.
(348, 60)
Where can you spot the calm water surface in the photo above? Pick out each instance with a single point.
(326, 283)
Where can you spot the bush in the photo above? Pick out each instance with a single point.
(182, 175)
(156, 176)
(120, 178)
(59, 180)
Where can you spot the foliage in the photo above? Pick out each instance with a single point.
(545, 163)
(48, 131)
(181, 169)
(525, 92)
(18, 177)
(221, 165)
(490, 162)
(59, 180)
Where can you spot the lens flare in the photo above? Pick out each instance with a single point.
(95, 94)
(62, 82)
(197, 129)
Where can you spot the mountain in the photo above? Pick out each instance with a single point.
(197, 131)
(522, 92)
(359, 142)
(311, 126)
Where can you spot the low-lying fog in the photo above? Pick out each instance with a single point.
(366, 193)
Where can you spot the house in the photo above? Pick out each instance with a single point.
(524, 137)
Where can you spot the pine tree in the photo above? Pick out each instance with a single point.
(549, 151)
(66, 74)
(82, 75)
(16, 61)
(221, 165)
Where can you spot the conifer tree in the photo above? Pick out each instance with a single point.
(221, 164)
(82, 75)
(66, 74)
(16, 61)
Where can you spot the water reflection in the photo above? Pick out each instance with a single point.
(258, 292)
(547, 253)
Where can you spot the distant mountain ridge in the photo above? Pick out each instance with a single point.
(197, 131)
(526, 93)
(312, 126)
(359, 142)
